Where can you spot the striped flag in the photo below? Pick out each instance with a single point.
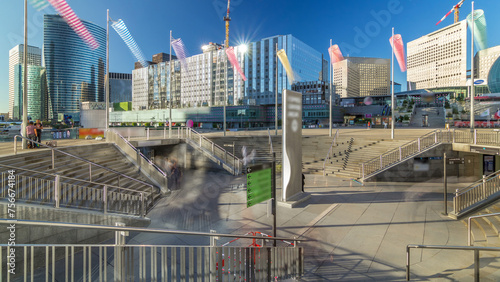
(234, 62)
(335, 54)
(74, 22)
(180, 50)
(122, 30)
(39, 4)
(286, 64)
(399, 50)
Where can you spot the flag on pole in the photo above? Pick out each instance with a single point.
(335, 54)
(39, 4)
(180, 51)
(486, 113)
(399, 50)
(234, 62)
(286, 64)
(497, 114)
(74, 22)
(122, 30)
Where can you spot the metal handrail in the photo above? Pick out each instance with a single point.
(74, 179)
(137, 229)
(477, 183)
(78, 158)
(141, 154)
(469, 221)
(334, 141)
(462, 248)
(215, 145)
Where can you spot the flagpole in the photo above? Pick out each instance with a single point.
(472, 120)
(170, 102)
(331, 93)
(392, 86)
(25, 77)
(276, 96)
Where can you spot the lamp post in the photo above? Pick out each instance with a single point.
(392, 87)
(25, 76)
(170, 100)
(107, 73)
(472, 94)
(276, 95)
(330, 78)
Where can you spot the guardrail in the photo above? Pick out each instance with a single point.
(467, 197)
(469, 228)
(121, 262)
(476, 251)
(60, 191)
(91, 165)
(328, 156)
(215, 150)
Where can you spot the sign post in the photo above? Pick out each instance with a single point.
(445, 187)
(259, 183)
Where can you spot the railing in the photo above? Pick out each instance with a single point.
(270, 142)
(215, 150)
(469, 228)
(462, 248)
(91, 165)
(467, 197)
(328, 156)
(121, 262)
(59, 191)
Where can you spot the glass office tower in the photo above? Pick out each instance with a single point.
(260, 68)
(75, 73)
(37, 92)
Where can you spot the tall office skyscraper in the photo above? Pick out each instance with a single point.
(37, 92)
(260, 67)
(75, 73)
(439, 59)
(16, 56)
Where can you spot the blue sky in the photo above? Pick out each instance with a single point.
(198, 22)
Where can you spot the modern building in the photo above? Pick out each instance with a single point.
(313, 92)
(494, 77)
(439, 59)
(75, 72)
(261, 68)
(361, 77)
(162, 57)
(120, 87)
(397, 87)
(37, 92)
(16, 56)
(484, 60)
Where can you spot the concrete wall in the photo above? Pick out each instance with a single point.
(59, 235)
(413, 170)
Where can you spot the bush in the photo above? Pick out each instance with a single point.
(406, 117)
(449, 115)
(455, 111)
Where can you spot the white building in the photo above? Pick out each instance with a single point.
(140, 89)
(439, 59)
(484, 60)
(16, 56)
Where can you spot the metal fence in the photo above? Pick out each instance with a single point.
(476, 192)
(51, 189)
(121, 262)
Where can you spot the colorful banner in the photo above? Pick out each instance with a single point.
(92, 132)
(74, 22)
(180, 51)
(39, 4)
(234, 62)
(399, 50)
(286, 64)
(124, 33)
(335, 54)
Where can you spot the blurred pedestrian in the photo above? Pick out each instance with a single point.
(38, 127)
(31, 134)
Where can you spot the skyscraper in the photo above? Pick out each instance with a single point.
(484, 60)
(16, 56)
(75, 73)
(439, 59)
(37, 92)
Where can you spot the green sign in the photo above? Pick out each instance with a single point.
(259, 184)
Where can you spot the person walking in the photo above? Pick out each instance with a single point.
(31, 133)
(38, 128)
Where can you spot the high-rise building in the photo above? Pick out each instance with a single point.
(37, 92)
(361, 77)
(484, 60)
(313, 92)
(120, 87)
(16, 56)
(439, 59)
(75, 72)
(261, 68)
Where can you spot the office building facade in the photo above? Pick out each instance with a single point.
(120, 87)
(439, 59)
(484, 60)
(313, 92)
(261, 68)
(361, 77)
(37, 92)
(75, 72)
(16, 56)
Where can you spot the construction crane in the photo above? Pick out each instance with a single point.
(227, 19)
(455, 8)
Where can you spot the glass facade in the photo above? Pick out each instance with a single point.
(261, 68)
(75, 73)
(494, 77)
(37, 92)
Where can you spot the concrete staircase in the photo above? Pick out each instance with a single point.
(485, 230)
(436, 117)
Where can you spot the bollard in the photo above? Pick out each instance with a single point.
(57, 191)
